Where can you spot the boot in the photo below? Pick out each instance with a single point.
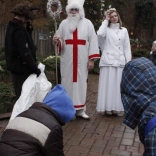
(81, 114)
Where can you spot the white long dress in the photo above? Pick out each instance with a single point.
(109, 97)
(78, 48)
(116, 53)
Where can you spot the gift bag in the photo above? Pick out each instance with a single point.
(34, 89)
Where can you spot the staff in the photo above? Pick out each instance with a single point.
(54, 9)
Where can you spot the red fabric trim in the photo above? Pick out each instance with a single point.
(75, 43)
(59, 46)
(94, 56)
(79, 106)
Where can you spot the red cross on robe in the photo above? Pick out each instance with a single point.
(75, 42)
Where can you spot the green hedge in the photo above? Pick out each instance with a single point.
(50, 68)
(140, 53)
(7, 97)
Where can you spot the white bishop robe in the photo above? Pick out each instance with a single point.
(77, 48)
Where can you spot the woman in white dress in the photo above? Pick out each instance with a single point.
(116, 52)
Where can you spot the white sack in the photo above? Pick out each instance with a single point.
(34, 89)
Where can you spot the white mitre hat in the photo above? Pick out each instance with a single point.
(154, 41)
(76, 4)
(81, 2)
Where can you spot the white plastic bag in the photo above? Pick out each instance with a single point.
(34, 89)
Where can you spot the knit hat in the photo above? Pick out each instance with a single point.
(61, 103)
(76, 4)
(24, 9)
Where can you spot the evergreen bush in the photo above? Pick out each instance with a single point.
(50, 69)
(7, 97)
(140, 53)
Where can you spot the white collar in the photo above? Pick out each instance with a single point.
(114, 25)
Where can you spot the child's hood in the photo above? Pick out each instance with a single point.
(138, 89)
(61, 103)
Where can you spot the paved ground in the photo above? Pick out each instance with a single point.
(101, 136)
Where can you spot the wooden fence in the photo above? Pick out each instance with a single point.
(42, 39)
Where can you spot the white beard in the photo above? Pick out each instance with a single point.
(73, 22)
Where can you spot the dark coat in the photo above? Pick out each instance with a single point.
(152, 57)
(35, 132)
(20, 51)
